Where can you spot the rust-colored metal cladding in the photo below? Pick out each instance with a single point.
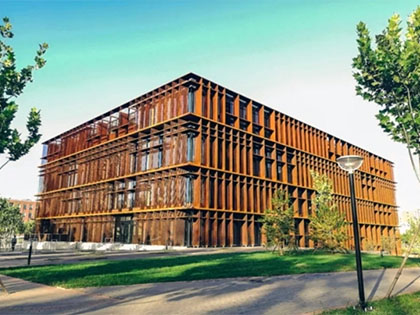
(193, 163)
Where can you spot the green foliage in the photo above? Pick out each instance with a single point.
(328, 225)
(196, 267)
(10, 219)
(29, 227)
(389, 75)
(404, 304)
(278, 223)
(370, 245)
(413, 224)
(388, 243)
(12, 84)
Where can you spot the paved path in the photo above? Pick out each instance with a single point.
(295, 294)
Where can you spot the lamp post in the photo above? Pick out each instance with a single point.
(350, 163)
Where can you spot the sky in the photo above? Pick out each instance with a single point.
(294, 56)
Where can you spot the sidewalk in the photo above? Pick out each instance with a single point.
(294, 294)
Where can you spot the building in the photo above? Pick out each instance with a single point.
(27, 207)
(194, 163)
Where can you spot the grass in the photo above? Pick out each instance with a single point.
(400, 305)
(186, 268)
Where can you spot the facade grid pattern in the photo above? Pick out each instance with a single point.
(193, 163)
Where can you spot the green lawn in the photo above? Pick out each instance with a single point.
(178, 268)
(401, 305)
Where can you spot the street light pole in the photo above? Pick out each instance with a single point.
(362, 301)
(350, 163)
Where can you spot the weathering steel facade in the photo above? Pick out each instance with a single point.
(193, 163)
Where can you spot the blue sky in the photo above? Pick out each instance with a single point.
(294, 56)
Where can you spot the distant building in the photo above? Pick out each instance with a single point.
(27, 208)
(194, 163)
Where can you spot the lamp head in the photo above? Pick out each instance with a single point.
(350, 163)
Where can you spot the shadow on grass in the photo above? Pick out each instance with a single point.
(285, 295)
(197, 267)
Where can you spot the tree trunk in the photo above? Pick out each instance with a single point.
(397, 276)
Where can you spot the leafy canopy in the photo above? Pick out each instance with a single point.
(328, 224)
(12, 84)
(29, 227)
(10, 219)
(413, 221)
(388, 74)
(278, 223)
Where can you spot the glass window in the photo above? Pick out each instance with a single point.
(290, 173)
(190, 147)
(120, 201)
(160, 155)
(191, 100)
(243, 125)
(144, 161)
(267, 118)
(229, 103)
(255, 114)
(256, 167)
(280, 171)
(268, 169)
(188, 190)
(133, 162)
(242, 110)
(131, 199)
(230, 121)
(132, 184)
(300, 207)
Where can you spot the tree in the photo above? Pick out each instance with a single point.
(406, 238)
(10, 224)
(388, 244)
(12, 84)
(29, 227)
(10, 219)
(328, 225)
(389, 75)
(414, 234)
(278, 223)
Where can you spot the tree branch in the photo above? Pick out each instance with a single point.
(4, 164)
(411, 108)
(410, 154)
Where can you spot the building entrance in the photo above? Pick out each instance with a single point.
(123, 229)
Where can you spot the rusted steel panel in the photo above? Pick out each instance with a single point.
(193, 163)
